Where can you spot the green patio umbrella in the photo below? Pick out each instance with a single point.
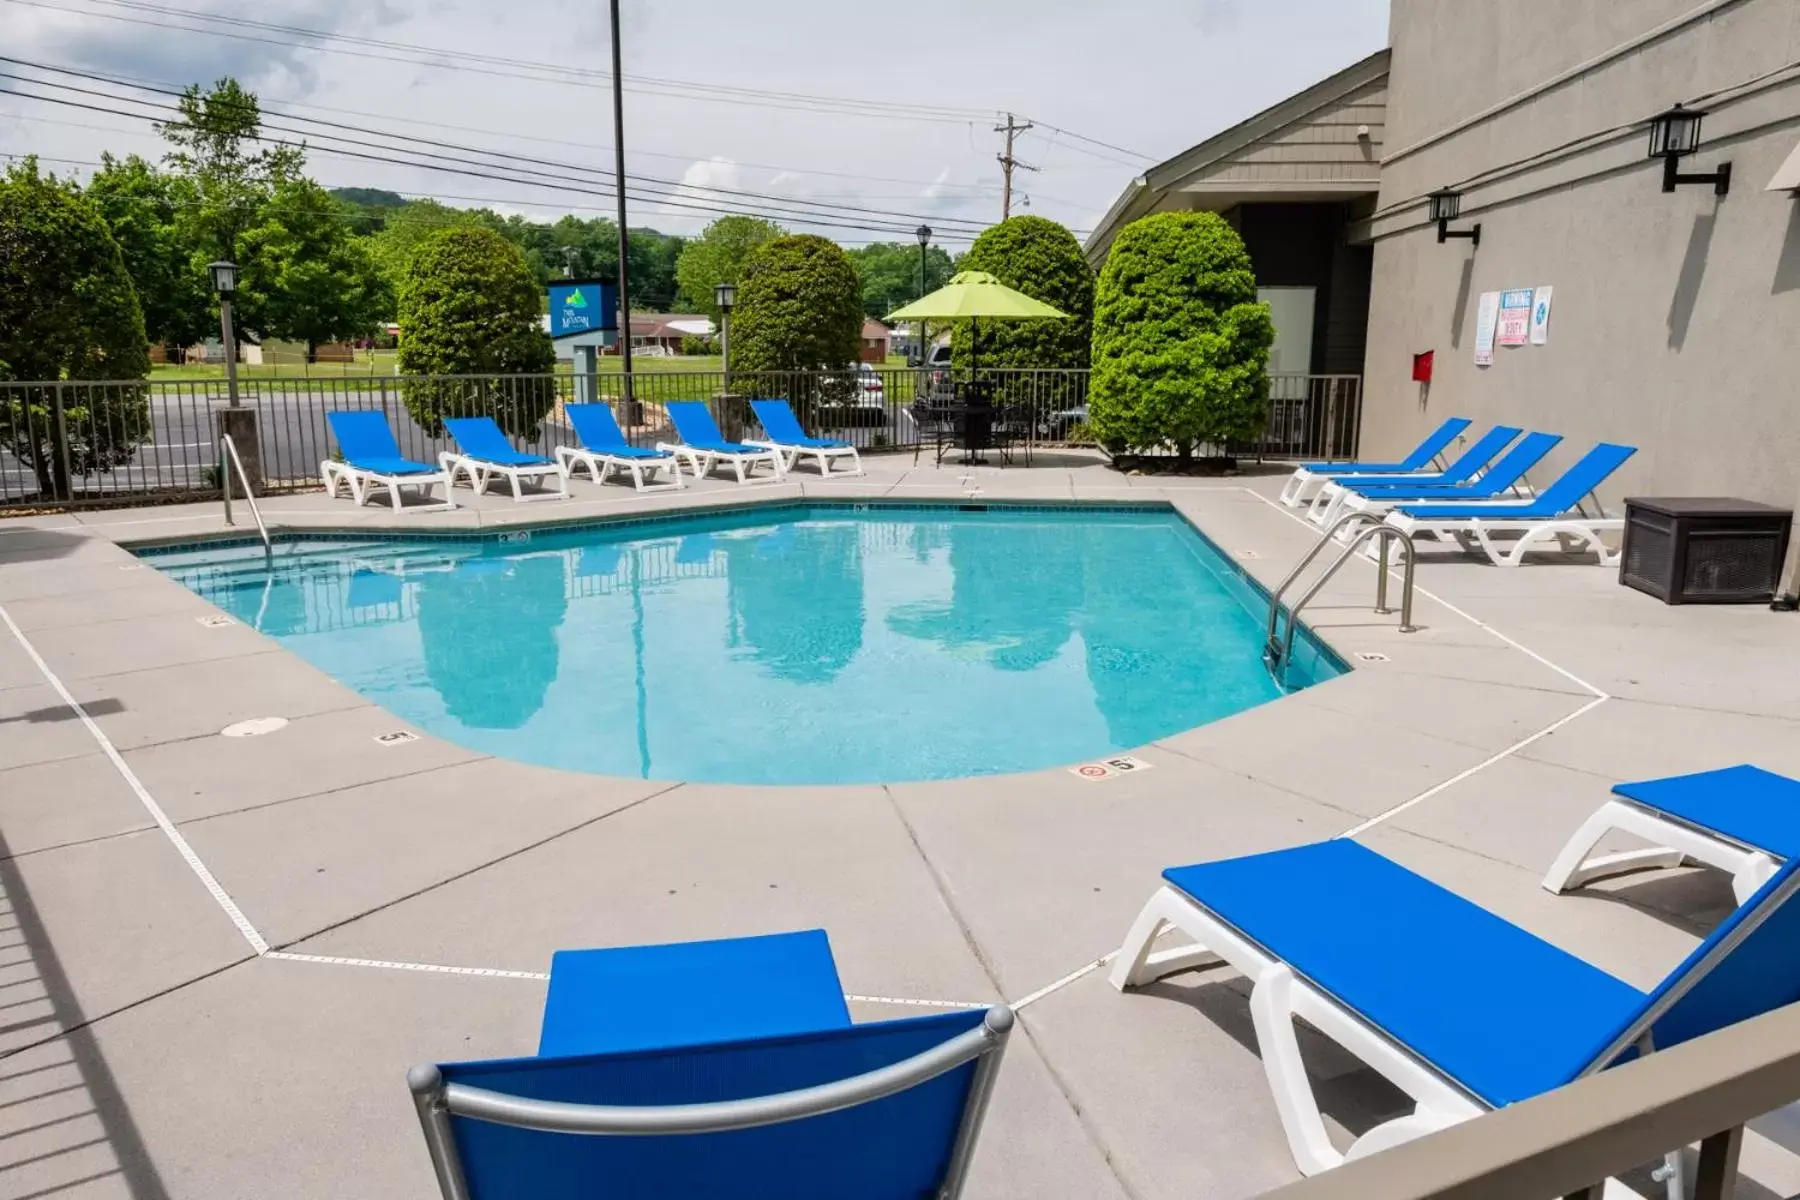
(971, 295)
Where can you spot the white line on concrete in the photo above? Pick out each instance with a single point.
(219, 895)
(913, 1003)
(384, 965)
(1064, 982)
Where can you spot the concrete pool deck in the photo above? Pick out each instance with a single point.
(224, 952)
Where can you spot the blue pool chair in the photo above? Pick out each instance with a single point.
(1308, 478)
(372, 459)
(784, 434)
(1743, 820)
(1559, 513)
(604, 449)
(483, 454)
(1467, 465)
(1458, 1008)
(703, 447)
(1503, 480)
(725, 1068)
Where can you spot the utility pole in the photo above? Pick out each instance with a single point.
(624, 235)
(1007, 162)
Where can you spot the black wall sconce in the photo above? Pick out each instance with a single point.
(1445, 204)
(1673, 136)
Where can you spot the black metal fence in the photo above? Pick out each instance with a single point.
(77, 443)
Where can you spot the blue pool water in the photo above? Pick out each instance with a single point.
(799, 645)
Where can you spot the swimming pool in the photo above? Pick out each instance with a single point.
(792, 644)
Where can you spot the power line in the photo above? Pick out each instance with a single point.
(1007, 162)
(761, 198)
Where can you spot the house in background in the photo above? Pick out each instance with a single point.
(876, 338)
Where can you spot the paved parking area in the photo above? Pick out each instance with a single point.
(224, 953)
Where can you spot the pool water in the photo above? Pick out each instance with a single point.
(798, 645)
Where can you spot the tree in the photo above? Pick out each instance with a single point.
(144, 209)
(653, 257)
(208, 145)
(469, 306)
(310, 279)
(493, 674)
(406, 227)
(718, 256)
(890, 274)
(1036, 256)
(67, 312)
(1181, 344)
(799, 307)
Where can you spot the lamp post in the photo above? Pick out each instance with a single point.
(568, 255)
(224, 282)
(725, 295)
(924, 235)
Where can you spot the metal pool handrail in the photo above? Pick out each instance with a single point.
(1279, 655)
(232, 460)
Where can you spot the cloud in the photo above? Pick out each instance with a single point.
(699, 184)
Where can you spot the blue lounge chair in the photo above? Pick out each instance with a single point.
(1559, 513)
(725, 1068)
(1458, 1008)
(483, 454)
(372, 459)
(785, 435)
(604, 449)
(1743, 820)
(1467, 465)
(703, 447)
(1308, 478)
(1503, 480)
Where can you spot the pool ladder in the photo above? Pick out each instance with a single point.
(228, 457)
(1278, 645)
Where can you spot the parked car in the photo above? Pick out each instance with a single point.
(869, 390)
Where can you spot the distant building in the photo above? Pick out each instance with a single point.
(876, 338)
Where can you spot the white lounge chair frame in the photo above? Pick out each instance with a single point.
(1339, 497)
(702, 462)
(1479, 533)
(1303, 485)
(481, 473)
(1674, 842)
(360, 483)
(600, 464)
(822, 454)
(1279, 997)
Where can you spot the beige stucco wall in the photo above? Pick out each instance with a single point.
(1676, 322)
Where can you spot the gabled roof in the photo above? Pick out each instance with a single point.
(1141, 196)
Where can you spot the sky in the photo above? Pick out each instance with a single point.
(871, 117)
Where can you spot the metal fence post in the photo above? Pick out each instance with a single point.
(64, 483)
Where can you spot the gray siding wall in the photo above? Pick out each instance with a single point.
(1320, 147)
(1676, 323)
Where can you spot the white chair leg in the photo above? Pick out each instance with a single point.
(1389, 1134)
(512, 477)
(1138, 962)
(824, 464)
(394, 495)
(1271, 1011)
(1757, 870)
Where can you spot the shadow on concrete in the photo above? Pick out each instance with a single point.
(29, 544)
(1459, 312)
(62, 712)
(1693, 899)
(64, 1127)
(1787, 264)
(1687, 282)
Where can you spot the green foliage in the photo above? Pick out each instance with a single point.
(209, 145)
(799, 307)
(1036, 256)
(690, 344)
(890, 274)
(1181, 344)
(404, 229)
(144, 208)
(653, 256)
(469, 306)
(719, 255)
(492, 674)
(67, 311)
(304, 272)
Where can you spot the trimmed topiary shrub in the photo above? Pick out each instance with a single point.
(1036, 256)
(68, 311)
(799, 308)
(1181, 344)
(470, 306)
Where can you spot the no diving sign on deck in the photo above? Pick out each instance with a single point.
(1110, 768)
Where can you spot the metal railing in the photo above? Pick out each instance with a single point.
(1277, 655)
(228, 459)
(1568, 1141)
(72, 443)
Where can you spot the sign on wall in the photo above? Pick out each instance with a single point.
(582, 306)
(1515, 316)
(1540, 316)
(1486, 317)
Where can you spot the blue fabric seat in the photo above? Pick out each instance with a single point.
(1480, 452)
(1506, 471)
(481, 439)
(1420, 458)
(1588, 473)
(695, 426)
(368, 444)
(1747, 804)
(784, 428)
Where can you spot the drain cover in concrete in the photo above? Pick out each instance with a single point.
(254, 727)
